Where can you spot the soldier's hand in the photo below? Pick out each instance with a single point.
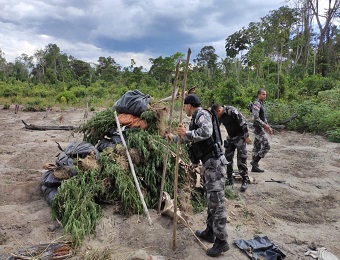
(270, 131)
(181, 130)
(169, 137)
(248, 140)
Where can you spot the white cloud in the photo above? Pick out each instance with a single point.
(124, 29)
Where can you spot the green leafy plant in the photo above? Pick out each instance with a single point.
(334, 135)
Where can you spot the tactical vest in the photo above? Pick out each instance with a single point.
(262, 113)
(208, 148)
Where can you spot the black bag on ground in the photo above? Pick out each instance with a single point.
(48, 179)
(80, 150)
(111, 139)
(105, 143)
(132, 102)
(49, 193)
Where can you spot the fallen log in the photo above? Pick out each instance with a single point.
(287, 120)
(278, 127)
(44, 128)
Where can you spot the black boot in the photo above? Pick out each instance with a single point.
(255, 164)
(206, 235)
(230, 179)
(244, 185)
(218, 248)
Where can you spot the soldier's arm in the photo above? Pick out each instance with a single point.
(204, 130)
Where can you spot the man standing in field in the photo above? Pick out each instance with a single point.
(261, 126)
(238, 136)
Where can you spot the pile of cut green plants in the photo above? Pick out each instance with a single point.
(80, 201)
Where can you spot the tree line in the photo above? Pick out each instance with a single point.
(293, 52)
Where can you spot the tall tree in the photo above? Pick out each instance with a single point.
(3, 65)
(82, 71)
(206, 59)
(324, 19)
(108, 69)
(163, 68)
(39, 70)
(25, 62)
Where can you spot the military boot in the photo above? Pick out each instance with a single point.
(255, 164)
(207, 235)
(218, 248)
(244, 184)
(230, 179)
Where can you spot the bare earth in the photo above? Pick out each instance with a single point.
(305, 209)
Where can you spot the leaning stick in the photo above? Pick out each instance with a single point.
(178, 146)
(197, 238)
(132, 170)
(174, 94)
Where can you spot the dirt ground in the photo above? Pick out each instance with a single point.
(292, 215)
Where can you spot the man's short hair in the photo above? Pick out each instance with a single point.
(260, 90)
(214, 107)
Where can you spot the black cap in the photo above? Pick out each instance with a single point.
(193, 100)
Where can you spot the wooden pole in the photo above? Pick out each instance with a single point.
(174, 94)
(133, 170)
(197, 238)
(178, 146)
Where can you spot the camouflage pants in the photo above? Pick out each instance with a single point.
(236, 143)
(214, 177)
(261, 143)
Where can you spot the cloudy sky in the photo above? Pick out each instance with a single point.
(124, 29)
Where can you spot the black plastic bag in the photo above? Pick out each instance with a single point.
(49, 193)
(48, 179)
(80, 150)
(132, 102)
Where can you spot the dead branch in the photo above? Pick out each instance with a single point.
(281, 125)
(287, 120)
(44, 128)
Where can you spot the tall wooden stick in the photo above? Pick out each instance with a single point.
(174, 94)
(178, 146)
(133, 170)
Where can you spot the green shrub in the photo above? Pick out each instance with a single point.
(330, 97)
(313, 84)
(278, 111)
(68, 95)
(35, 105)
(10, 91)
(334, 135)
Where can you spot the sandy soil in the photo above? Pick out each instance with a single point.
(293, 215)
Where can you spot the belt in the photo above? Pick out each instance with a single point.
(207, 156)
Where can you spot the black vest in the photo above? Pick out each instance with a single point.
(233, 126)
(262, 113)
(208, 148)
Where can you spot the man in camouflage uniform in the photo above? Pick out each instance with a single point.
(238, 136)
(261, 143)
(205, 140)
